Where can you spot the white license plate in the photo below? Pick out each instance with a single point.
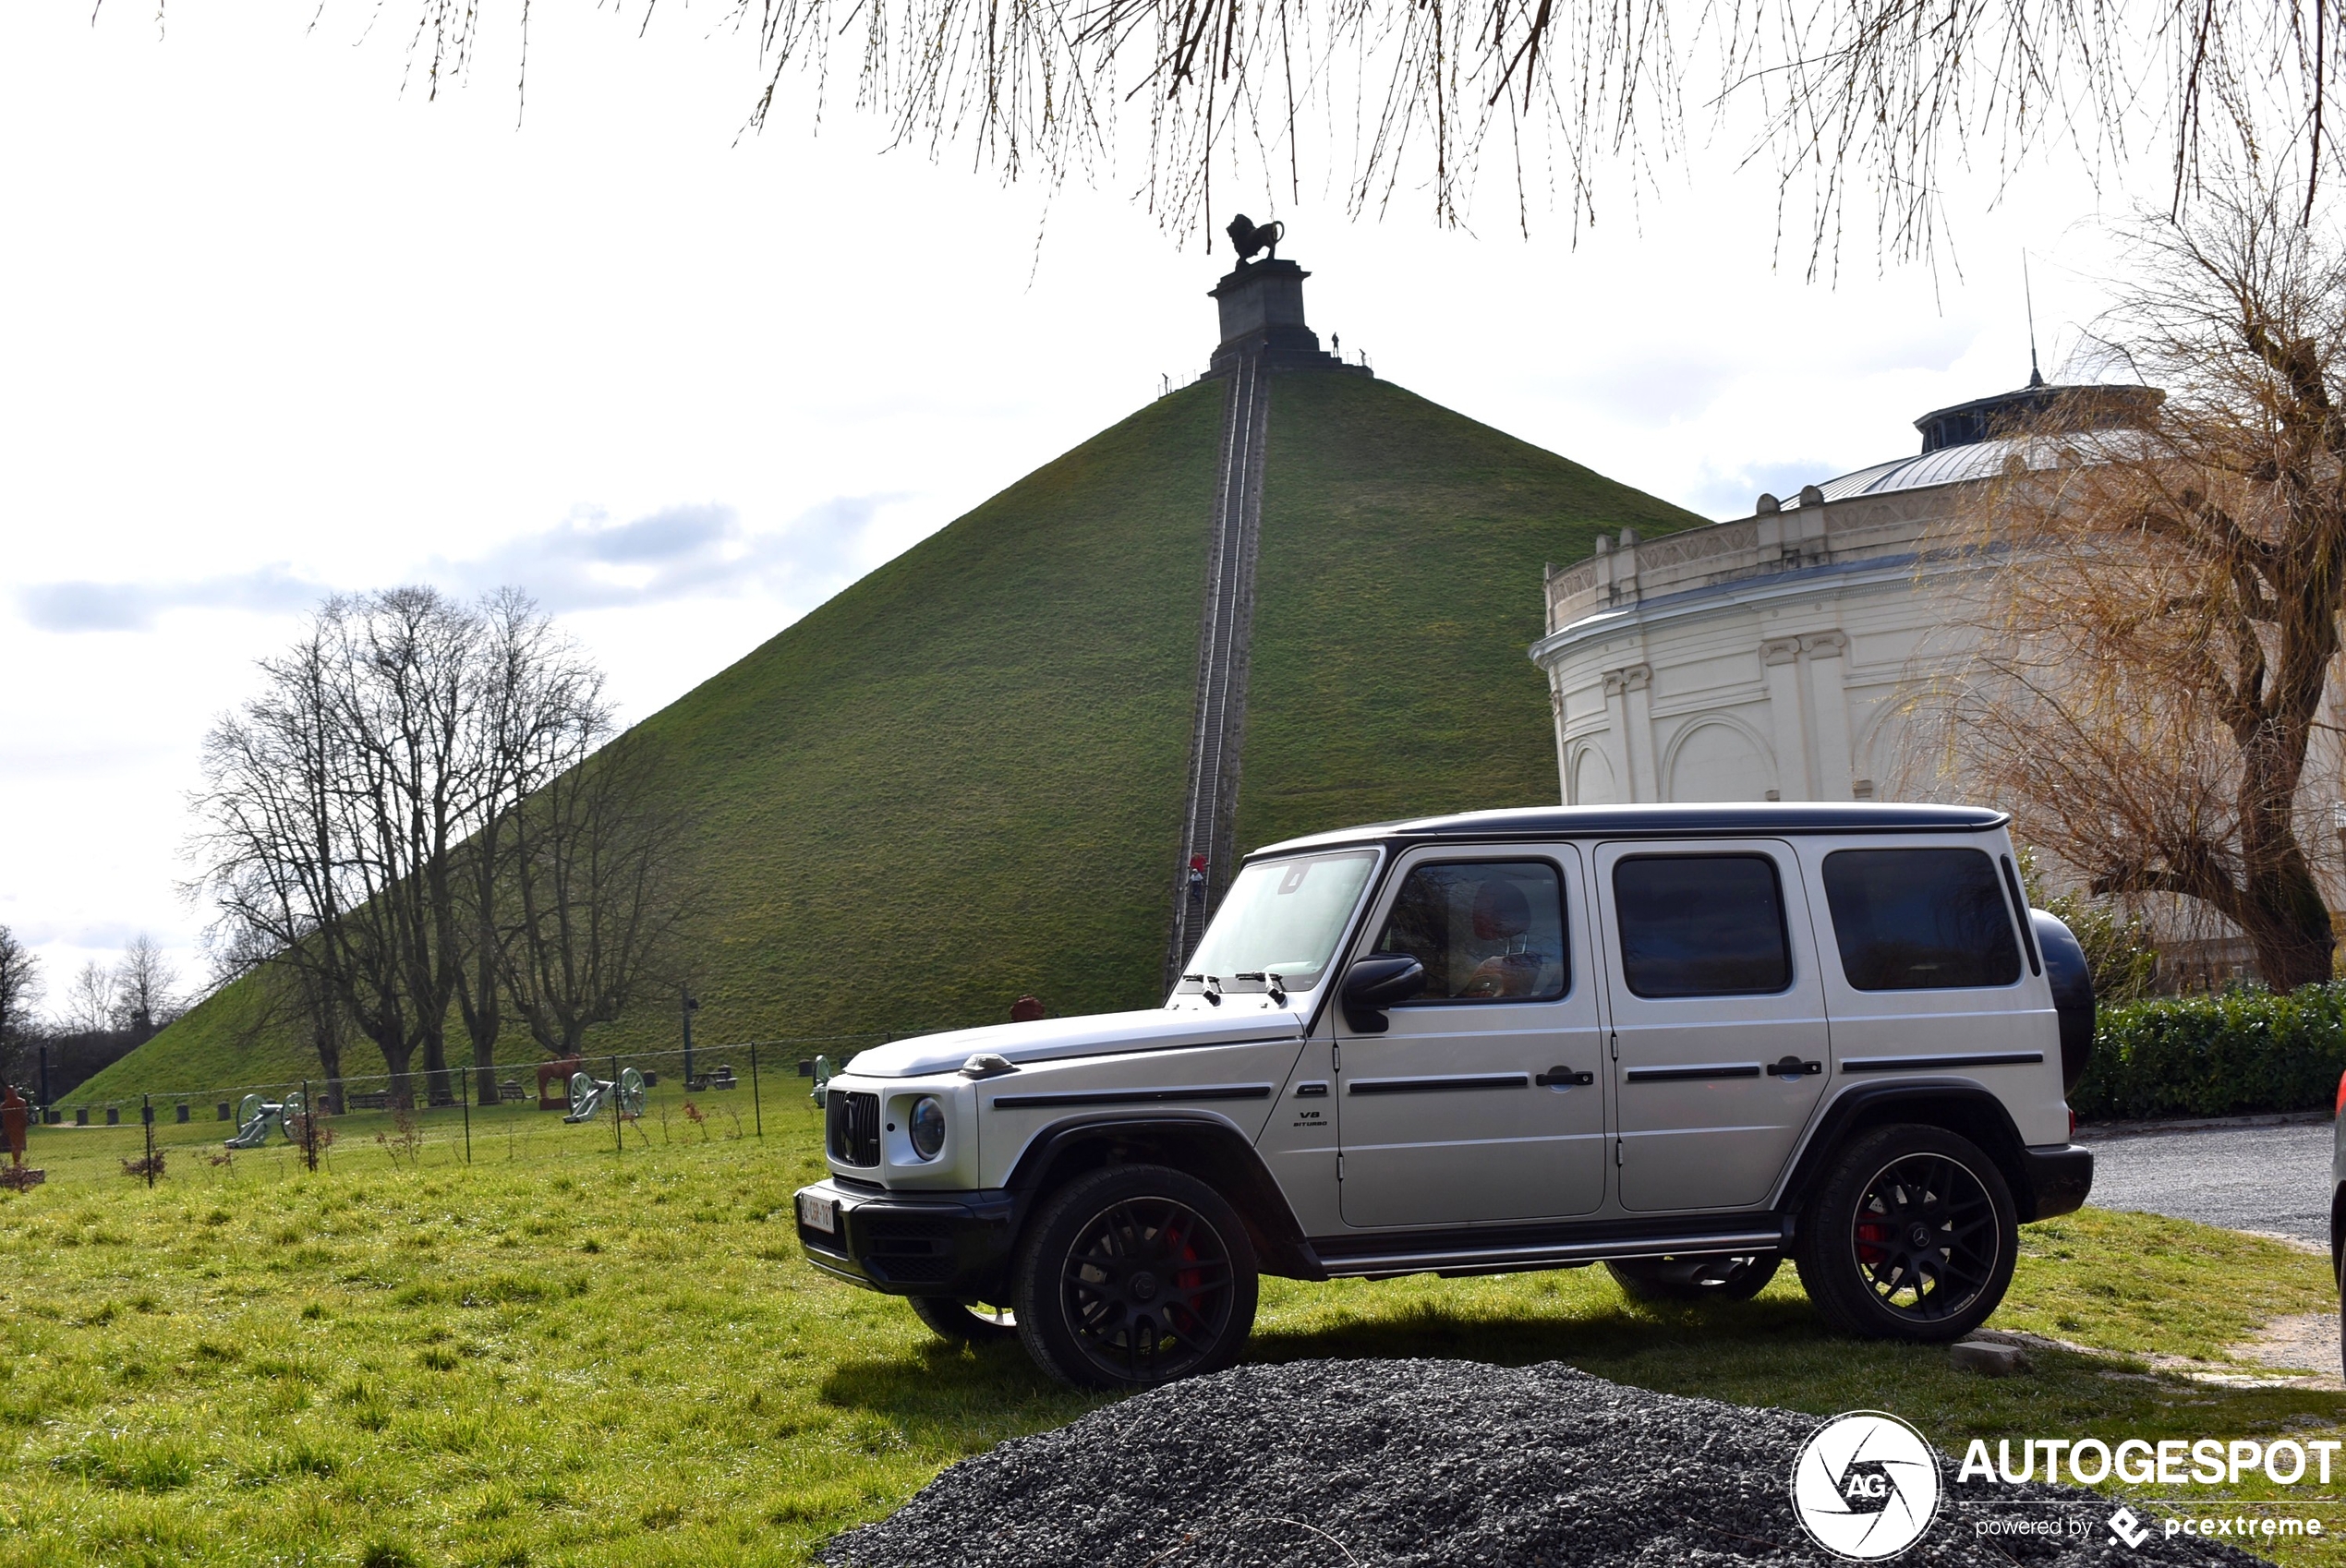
(817, 1213)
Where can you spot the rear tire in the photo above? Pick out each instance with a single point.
(1711, 1278)
(1134, 1275)
(966, 1321)
(1912, 1236)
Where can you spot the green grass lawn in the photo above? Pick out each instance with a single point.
(559, 1354)
(961, 779)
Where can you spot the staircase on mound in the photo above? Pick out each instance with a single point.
(1263, 335)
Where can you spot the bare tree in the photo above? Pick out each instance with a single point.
(537, 713)
(2169, 620)
(21, 988)
(331, 808)
(1413, 94)
(596, 885)
(145, 983)
(93, 1003)
(408, 803)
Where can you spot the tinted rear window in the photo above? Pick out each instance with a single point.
(1702, 925)
(1921, 920)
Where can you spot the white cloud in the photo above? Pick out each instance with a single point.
(689, 551)
(695, 550)
(84, 606)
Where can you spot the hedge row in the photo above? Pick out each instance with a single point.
(2229, 1054)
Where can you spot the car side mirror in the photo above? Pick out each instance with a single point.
(1378, 981)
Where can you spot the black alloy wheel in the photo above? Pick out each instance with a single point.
(1912, 1235)
(1134, 1275)
(970, 1321)
(1711, 1277)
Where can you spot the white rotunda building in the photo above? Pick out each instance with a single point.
(1774, 656)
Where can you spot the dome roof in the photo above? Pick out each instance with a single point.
(1960, 443)
(1948, 465)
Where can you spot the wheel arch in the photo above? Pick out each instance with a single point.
(1194, 1142)
(1958, 1106)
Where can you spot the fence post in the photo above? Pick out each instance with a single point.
(618, 1122)
(308, 1128)
(466, 1099)
(147, 1115)
(756, 1106)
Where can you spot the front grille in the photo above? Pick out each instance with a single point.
(851, 1125)
(907, 1249)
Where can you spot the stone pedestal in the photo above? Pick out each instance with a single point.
(1262, 315)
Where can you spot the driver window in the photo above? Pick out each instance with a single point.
(1484, 931)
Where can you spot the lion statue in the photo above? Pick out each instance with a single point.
(1250, 238)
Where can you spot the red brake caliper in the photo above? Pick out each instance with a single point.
(1871, 1235)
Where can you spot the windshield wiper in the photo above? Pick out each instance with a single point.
(1270, 983)
(1209, 986)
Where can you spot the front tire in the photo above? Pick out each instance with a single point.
(969, 1321)
(1134, 1275)
(1912, 1236)
(1712, 1278)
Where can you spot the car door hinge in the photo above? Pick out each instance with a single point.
(1339, 1167)
(1614, 1042)
(1617, 1154)
(1336, 1057)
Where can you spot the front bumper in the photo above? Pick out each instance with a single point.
(2061, 1176)
(954, 1244)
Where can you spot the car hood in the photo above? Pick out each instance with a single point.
(1159, 1029)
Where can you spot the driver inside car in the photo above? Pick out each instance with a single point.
(1503, 915)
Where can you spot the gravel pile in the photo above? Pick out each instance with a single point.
(1383, 1464)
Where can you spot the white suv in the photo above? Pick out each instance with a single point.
(1680, 1041)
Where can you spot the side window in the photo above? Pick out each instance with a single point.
(1484, 931)
(1921, 920)
(1702, 925)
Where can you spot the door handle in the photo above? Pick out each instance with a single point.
(1563, 1078)
(1793, 1066)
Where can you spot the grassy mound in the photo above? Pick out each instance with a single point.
(961, 779)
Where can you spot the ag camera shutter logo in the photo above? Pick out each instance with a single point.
(1866, 1486)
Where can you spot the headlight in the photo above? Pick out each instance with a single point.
(926, 1126)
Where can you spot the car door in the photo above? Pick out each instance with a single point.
(1924, 971)
(1482, 1099)
(1719, 1037)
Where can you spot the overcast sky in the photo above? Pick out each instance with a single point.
(274, 326)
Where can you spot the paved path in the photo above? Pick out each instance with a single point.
(2274, 1179)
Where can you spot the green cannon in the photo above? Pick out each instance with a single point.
(255, 1113)
(589, 1096)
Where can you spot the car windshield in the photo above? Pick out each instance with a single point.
(1282, 917)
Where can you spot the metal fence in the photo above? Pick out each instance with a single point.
(602, 1107)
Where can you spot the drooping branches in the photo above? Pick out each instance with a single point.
(1878, 97)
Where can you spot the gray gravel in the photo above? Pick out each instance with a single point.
(2274, 1179)
(1386, 1464)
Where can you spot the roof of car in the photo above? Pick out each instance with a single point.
(1664, 822)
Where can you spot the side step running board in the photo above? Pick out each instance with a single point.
(1557, 1254)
